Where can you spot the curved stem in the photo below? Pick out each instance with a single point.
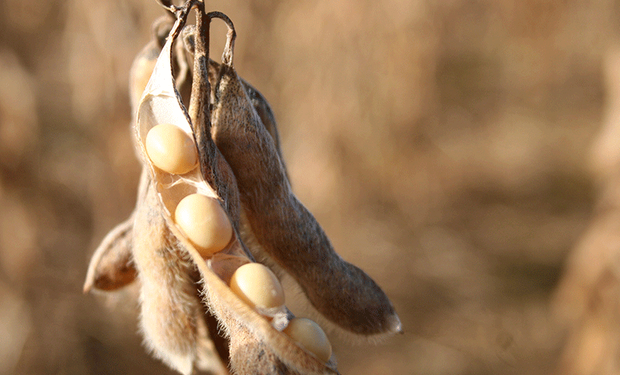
(227, 55)
(181, 13)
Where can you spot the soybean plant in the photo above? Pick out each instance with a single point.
(217, 225)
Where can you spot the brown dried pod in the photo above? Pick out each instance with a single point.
(286, 231)
(171, 310)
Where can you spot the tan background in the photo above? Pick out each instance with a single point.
(443, 145)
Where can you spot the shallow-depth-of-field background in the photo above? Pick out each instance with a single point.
(445, 146)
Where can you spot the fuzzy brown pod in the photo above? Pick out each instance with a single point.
(172, 318)
(288, 234)
(379, 316)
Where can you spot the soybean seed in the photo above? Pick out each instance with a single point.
(310, 336)
(171, 149)
(204, 222)
(257, 285)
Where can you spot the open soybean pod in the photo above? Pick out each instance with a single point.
(256, 343)
(285, 230)
(173, 319)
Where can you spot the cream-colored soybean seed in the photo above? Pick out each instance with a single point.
(310, 336)
(204, 222)
(171, 149)
(257, 285)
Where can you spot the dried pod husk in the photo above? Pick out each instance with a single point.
(284, 228)
(238, 321)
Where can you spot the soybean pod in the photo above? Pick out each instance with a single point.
(286, 231)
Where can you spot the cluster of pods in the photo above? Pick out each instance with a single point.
(216, 226)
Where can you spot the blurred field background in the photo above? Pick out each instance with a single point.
(457, 151)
